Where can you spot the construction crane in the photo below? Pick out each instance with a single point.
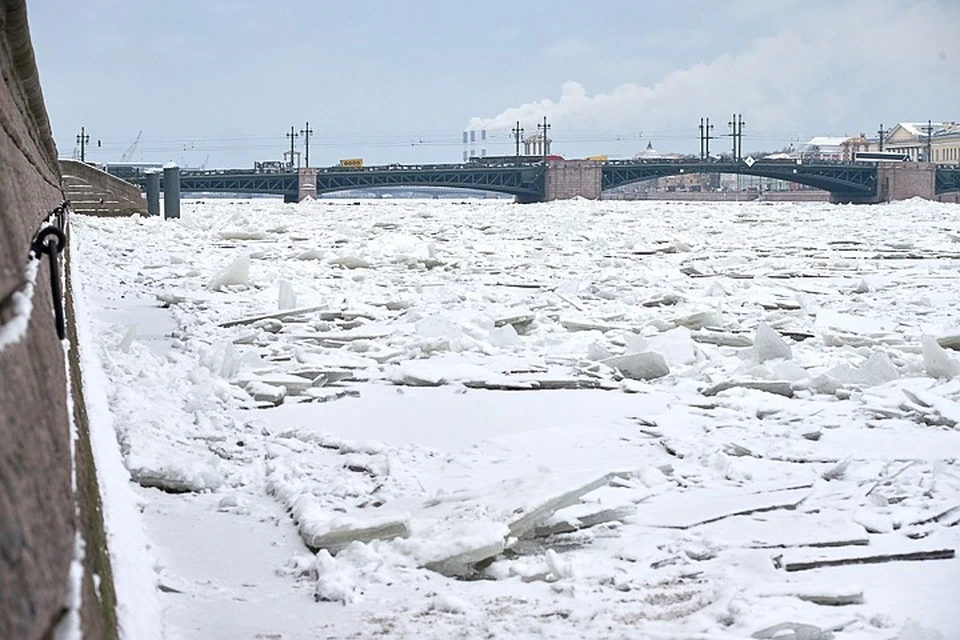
(133, 147)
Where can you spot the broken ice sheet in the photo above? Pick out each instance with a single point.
(699, 506)
(784, 528)
(452, 534)
(321, 529)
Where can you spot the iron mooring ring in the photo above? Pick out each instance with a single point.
(41, 245)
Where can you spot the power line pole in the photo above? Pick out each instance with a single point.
(880, 133)
(307, 132)
(293, 136)
(705, 137)
(517, 134)
(82, 139)
(544, 128)
(701, 138)
(736, 126)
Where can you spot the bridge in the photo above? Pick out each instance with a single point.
(533, 180)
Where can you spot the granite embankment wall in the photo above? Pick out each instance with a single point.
(40, 514)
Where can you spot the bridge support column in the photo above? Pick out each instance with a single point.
(903, 180)
(566, 179)
(171, 191)
(307, 184)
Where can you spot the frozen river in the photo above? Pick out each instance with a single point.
(578, 419)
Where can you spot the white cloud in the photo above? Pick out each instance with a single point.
(833, 65)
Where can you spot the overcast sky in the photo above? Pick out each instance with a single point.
(222, 81)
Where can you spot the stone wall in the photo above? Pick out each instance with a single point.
(38, 507)
(571, 178)
(36, 501)
(953, 197)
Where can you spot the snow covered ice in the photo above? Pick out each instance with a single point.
(579, 419)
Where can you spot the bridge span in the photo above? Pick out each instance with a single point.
(536, 181)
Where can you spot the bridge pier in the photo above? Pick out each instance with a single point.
(903, 180)
(566, 179)
(307, 183)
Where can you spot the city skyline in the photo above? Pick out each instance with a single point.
(222, 83)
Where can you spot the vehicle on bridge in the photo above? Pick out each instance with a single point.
(130, 171)
(270, 166)
(352, 163)
(880, 156)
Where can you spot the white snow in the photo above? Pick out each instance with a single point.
(437, 419)
(14, 328)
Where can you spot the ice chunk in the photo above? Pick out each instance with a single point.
(768, 345)
(597, 352)
(639, 366)
(287, 296)
(520, 322)
(240, 234)
(797, 631)
(293, 384)
(559, 567)
(530, 518)
(237, 272)
(505, 336)
(936, 360)
(336, 533)
(777, 387)
(263, 392)
(874, 522)
(950, 342)
(166, 469)
(310, 254)
(878, 369)
(722, 338)
(676, 346)
(699, 320)
(455, 553)
(349, 262)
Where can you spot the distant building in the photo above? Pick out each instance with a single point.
(536, 145)
(649, 153)
(941, 140)
(828, 148)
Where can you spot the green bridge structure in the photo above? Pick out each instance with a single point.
(532, 180)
